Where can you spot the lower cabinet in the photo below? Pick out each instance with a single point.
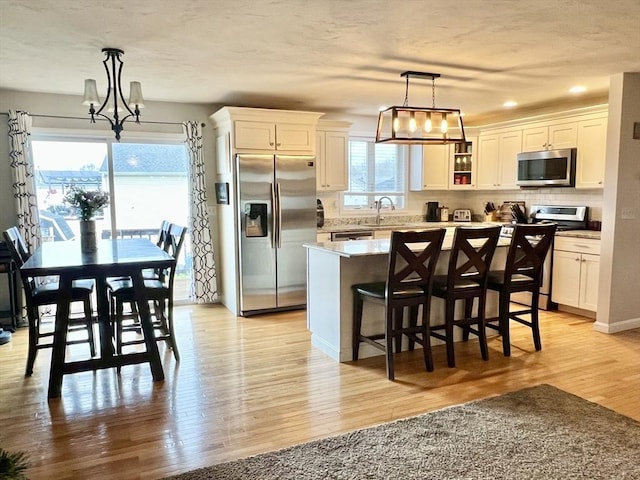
(576, 272)
(381, 234)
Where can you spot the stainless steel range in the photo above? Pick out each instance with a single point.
(567, 218)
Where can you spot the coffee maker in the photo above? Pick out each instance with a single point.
(433, 214)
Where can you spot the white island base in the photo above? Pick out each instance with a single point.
(333, 267)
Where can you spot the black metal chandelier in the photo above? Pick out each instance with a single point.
(114, 102)
(420, 125)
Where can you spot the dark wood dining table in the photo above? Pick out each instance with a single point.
(113, 258)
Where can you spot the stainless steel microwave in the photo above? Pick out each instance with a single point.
(547, 168)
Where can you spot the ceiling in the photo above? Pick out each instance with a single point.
(325, 55)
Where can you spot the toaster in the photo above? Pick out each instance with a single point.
(462, 215)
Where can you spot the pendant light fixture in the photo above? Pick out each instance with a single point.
(114, 102)
(420, 125)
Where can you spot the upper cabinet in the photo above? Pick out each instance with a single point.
(261, 130)
(592, 147)
(332, 151)
(584, 129)
(497, 164)
(551, 137)
(270, 136)
(428, 167)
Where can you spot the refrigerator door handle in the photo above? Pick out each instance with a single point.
(274, 209)
(278, 199)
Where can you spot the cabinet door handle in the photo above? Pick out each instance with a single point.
(271, 144)
(278, 144)
(577, 259)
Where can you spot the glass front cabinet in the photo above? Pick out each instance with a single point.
(462, 172)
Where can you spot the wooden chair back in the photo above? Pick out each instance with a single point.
(529, 247)
(471, 256)
(411, 267)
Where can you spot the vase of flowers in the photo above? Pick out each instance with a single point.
(87, 204)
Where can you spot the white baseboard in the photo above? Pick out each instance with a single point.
(616, 327)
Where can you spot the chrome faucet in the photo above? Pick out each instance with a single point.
(378, 204)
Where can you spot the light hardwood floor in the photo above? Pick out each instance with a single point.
(251, 385)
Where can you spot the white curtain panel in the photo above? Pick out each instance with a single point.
(24, 188)
(203, 283)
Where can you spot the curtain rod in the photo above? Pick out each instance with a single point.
(101, 119)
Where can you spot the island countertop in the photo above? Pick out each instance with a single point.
(356, 248)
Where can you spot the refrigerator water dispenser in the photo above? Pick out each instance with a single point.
(255, 220)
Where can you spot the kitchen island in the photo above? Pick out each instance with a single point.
(333, 267)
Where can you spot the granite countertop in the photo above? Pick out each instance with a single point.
(354, 227)
(355, 248)
(593, 234)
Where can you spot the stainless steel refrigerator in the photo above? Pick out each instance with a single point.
(276, 205)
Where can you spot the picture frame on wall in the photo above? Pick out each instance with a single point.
(222, 193)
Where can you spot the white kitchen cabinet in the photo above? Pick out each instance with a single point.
(550, 137)
(591, 153)
(261, 130)
(289, 137)
(576, 270)
(428, 167)
(381, 234)
(332, 155)
(497, 164)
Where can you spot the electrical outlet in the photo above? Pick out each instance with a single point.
(628, 213)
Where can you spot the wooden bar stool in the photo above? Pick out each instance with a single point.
(468, 272)
(412, 260)
(530, 245)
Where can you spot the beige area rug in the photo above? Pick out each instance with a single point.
(536, 433)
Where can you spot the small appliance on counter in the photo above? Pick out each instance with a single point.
(319, 214)
(462, 215)
(444, 214)
(432, 212)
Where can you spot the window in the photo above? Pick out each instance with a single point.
(375, 169)
(147, 183)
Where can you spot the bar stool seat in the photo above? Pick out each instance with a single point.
(530, 245)
(466, 280)
(412, 260)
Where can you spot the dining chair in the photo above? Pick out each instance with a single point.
(159, 291)
(466, 280)
(39, 294)
(412, 260)
(523, 271)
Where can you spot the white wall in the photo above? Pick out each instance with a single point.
(618, 299)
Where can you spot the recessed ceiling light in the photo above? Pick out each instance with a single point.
(509, 104)
(578, 89)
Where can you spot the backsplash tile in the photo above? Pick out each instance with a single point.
(472, 199)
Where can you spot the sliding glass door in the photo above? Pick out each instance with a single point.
(147, 182)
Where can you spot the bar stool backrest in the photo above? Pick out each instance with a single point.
(471, 255)
(412, 260)
(529, 247)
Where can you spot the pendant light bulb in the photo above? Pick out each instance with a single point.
(428, 126)
(444, 126)
(412, 122)
(396, 124)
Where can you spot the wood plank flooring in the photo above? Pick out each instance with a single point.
(250, 385)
